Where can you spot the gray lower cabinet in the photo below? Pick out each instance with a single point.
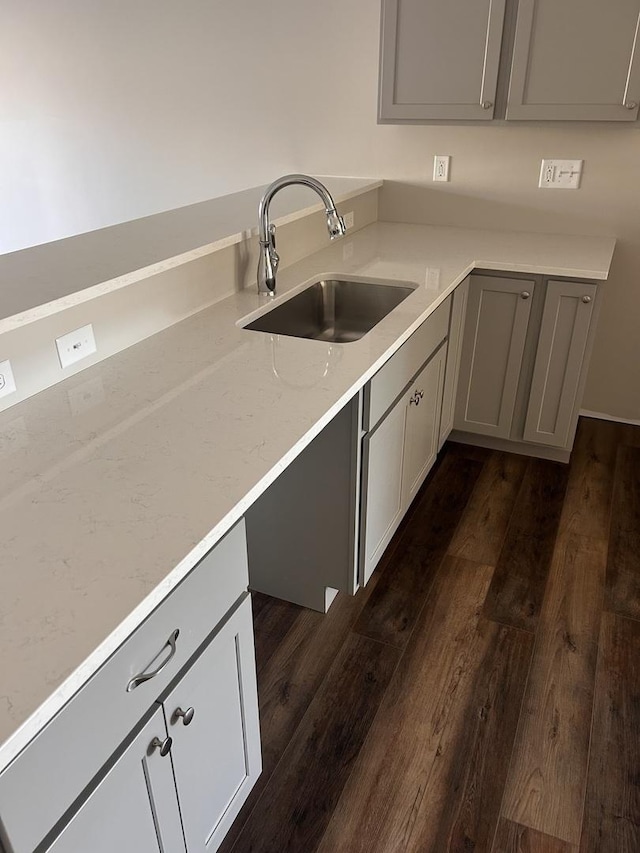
(562, 344)
(94, 779)
(575, 60)
(495, 333)
(134, 807)
(397, 456)
(187, 773)
(524, 360)
(212, 718)
(439, 60)
(454, 353)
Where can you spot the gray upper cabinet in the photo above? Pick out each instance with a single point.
(439, 59)
(575, 60)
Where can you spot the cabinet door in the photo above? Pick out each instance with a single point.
(134, 807)
(382, 507)
(575, 60)
(559, 363)
(424, 403)
(216, 747)
(439, 60)
(495, 333)
(454, 352)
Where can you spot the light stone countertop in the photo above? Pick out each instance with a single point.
(103, 513)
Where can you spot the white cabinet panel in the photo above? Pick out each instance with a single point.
(382, 508)
(439, 60)
(454, 353)
(423, 401)
(216, 756)
(566, 320)
(134, 807)
(575, 60)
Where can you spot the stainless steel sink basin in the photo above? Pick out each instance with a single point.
(333, 310)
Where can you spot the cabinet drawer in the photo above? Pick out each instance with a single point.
(391, 380)
(63, 758)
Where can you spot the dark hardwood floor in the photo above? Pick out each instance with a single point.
(483, 692)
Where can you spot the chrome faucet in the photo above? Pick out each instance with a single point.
(268, 259)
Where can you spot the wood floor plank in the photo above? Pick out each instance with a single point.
(310, 777)
(612, 809)
(392, 609)
(414, 728)
(519, 581)
(623, 563)
(547, 778)
(480, 534)
(289, 678)
(513, 838)
(480, 761)
(587, 506)
(272, 620)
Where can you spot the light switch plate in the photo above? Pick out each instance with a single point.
(76, 345)
(560, 174)
(7, 382)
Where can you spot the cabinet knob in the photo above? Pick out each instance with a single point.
(525, 294)
(163, 745)
(417, 396)
(486, 105)
(187, 716)
(631, 105)
(586, 299)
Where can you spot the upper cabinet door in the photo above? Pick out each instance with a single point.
(439, 59)
(575, 60)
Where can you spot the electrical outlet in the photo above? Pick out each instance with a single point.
(7, 382)
(560, 174)
(76, 345)
(441, 165)
(349, 220)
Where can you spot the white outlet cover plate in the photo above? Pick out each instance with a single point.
(7, 382)
(441, 166)
(349, 220)
(560, 174)
(76, 345)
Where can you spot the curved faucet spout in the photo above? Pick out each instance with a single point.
(268, 258)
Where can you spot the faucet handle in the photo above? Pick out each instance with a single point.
(275, 257)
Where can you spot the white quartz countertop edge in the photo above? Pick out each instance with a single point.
(21, 736)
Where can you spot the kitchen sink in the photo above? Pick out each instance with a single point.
(333, 310)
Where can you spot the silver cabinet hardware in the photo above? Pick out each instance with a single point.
(145, 676)
(187, 716)
(586, 299)
(486, 105)
(163, 745)
(631, 105)
(525, 294)
(415, 399)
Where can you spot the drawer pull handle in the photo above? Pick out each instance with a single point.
(586, 299)
(631, 105)
(187, 716)
(525, 294)
(163, 745)
(145, 676)
(417, 396)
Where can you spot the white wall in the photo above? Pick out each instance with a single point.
(113, 109)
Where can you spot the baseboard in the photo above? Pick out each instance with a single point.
(538, 451)
(601, 416)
